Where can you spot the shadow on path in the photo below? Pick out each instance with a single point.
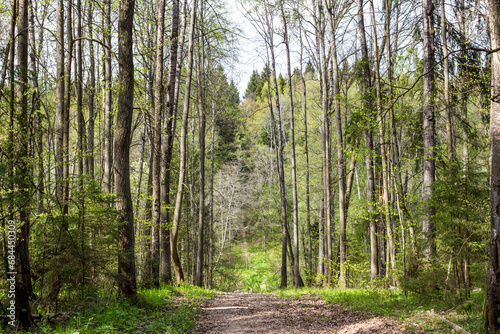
(255, 313)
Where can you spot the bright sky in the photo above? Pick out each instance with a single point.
(252, 54)
(249, 57)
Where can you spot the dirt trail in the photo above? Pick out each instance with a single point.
(254, 313)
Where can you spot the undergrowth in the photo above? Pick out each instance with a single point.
(412, 310)
(165, 310)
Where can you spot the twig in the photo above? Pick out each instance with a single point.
(455, 326)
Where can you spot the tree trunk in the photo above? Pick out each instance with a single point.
(59, 116)
(183, 153)
(492, 311)
(107, 101)
(126, 243)
(91, 98)
(211, 227)
(277, 124)
(157, 149)
(201, 137)
(79, 92)
(370, 182)
(66, 116)
(34, 65)
(446, 88)
(340, 149)
(325, 139)
(146, 278)
(383, 154)
(429, 247)
(394, 157)
(172, 95)
(306, 153)
(22, 266)
(167, 146)
(296, 267)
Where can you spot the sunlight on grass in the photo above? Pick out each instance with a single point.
(410, 309)
(165, 310)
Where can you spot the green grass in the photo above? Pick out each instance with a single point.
(408, 309)
(255, 271)
(166, 310)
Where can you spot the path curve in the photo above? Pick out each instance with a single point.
(237, 313)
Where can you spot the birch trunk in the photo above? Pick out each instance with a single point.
(429, 247)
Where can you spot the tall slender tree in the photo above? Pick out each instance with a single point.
(167, 142)
(198, 280)
(296, 267)
(183, 152)
(107, 101)
(22, 177)
(126, 243)
(335, 13)
(91, 94)
(157, 149)
(429, 124)
(306, 153)
(492, 312)
(367, 106)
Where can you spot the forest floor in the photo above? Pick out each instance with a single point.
(259, 313)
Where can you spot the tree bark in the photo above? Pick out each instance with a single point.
(296, 267)
(429, 247)
(107, 101)
(126, 243)
(394, 157)
(91, 98)
(306, 153)
(383, 153)
(23, 276)
(66, 116)
(38, 141)
(446, 88)
(370, 182)
(211, 227)
(172, 94)
(167, 146)
(157, 149)
(325, 140)
(59, 116)
(183, 152)
(492, 311)
(201, 140)
(340, 149)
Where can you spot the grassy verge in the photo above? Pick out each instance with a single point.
(166, 310)
(411, 310)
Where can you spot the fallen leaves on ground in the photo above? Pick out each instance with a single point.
(256, 313)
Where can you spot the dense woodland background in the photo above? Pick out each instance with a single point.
(358, 156)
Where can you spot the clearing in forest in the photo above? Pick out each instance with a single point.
(257, 313)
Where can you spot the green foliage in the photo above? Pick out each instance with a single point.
(75, 253)
(229, 120)
(282, 84)
(254, 85)
(250, 268)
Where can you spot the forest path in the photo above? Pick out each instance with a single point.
(237, 313)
